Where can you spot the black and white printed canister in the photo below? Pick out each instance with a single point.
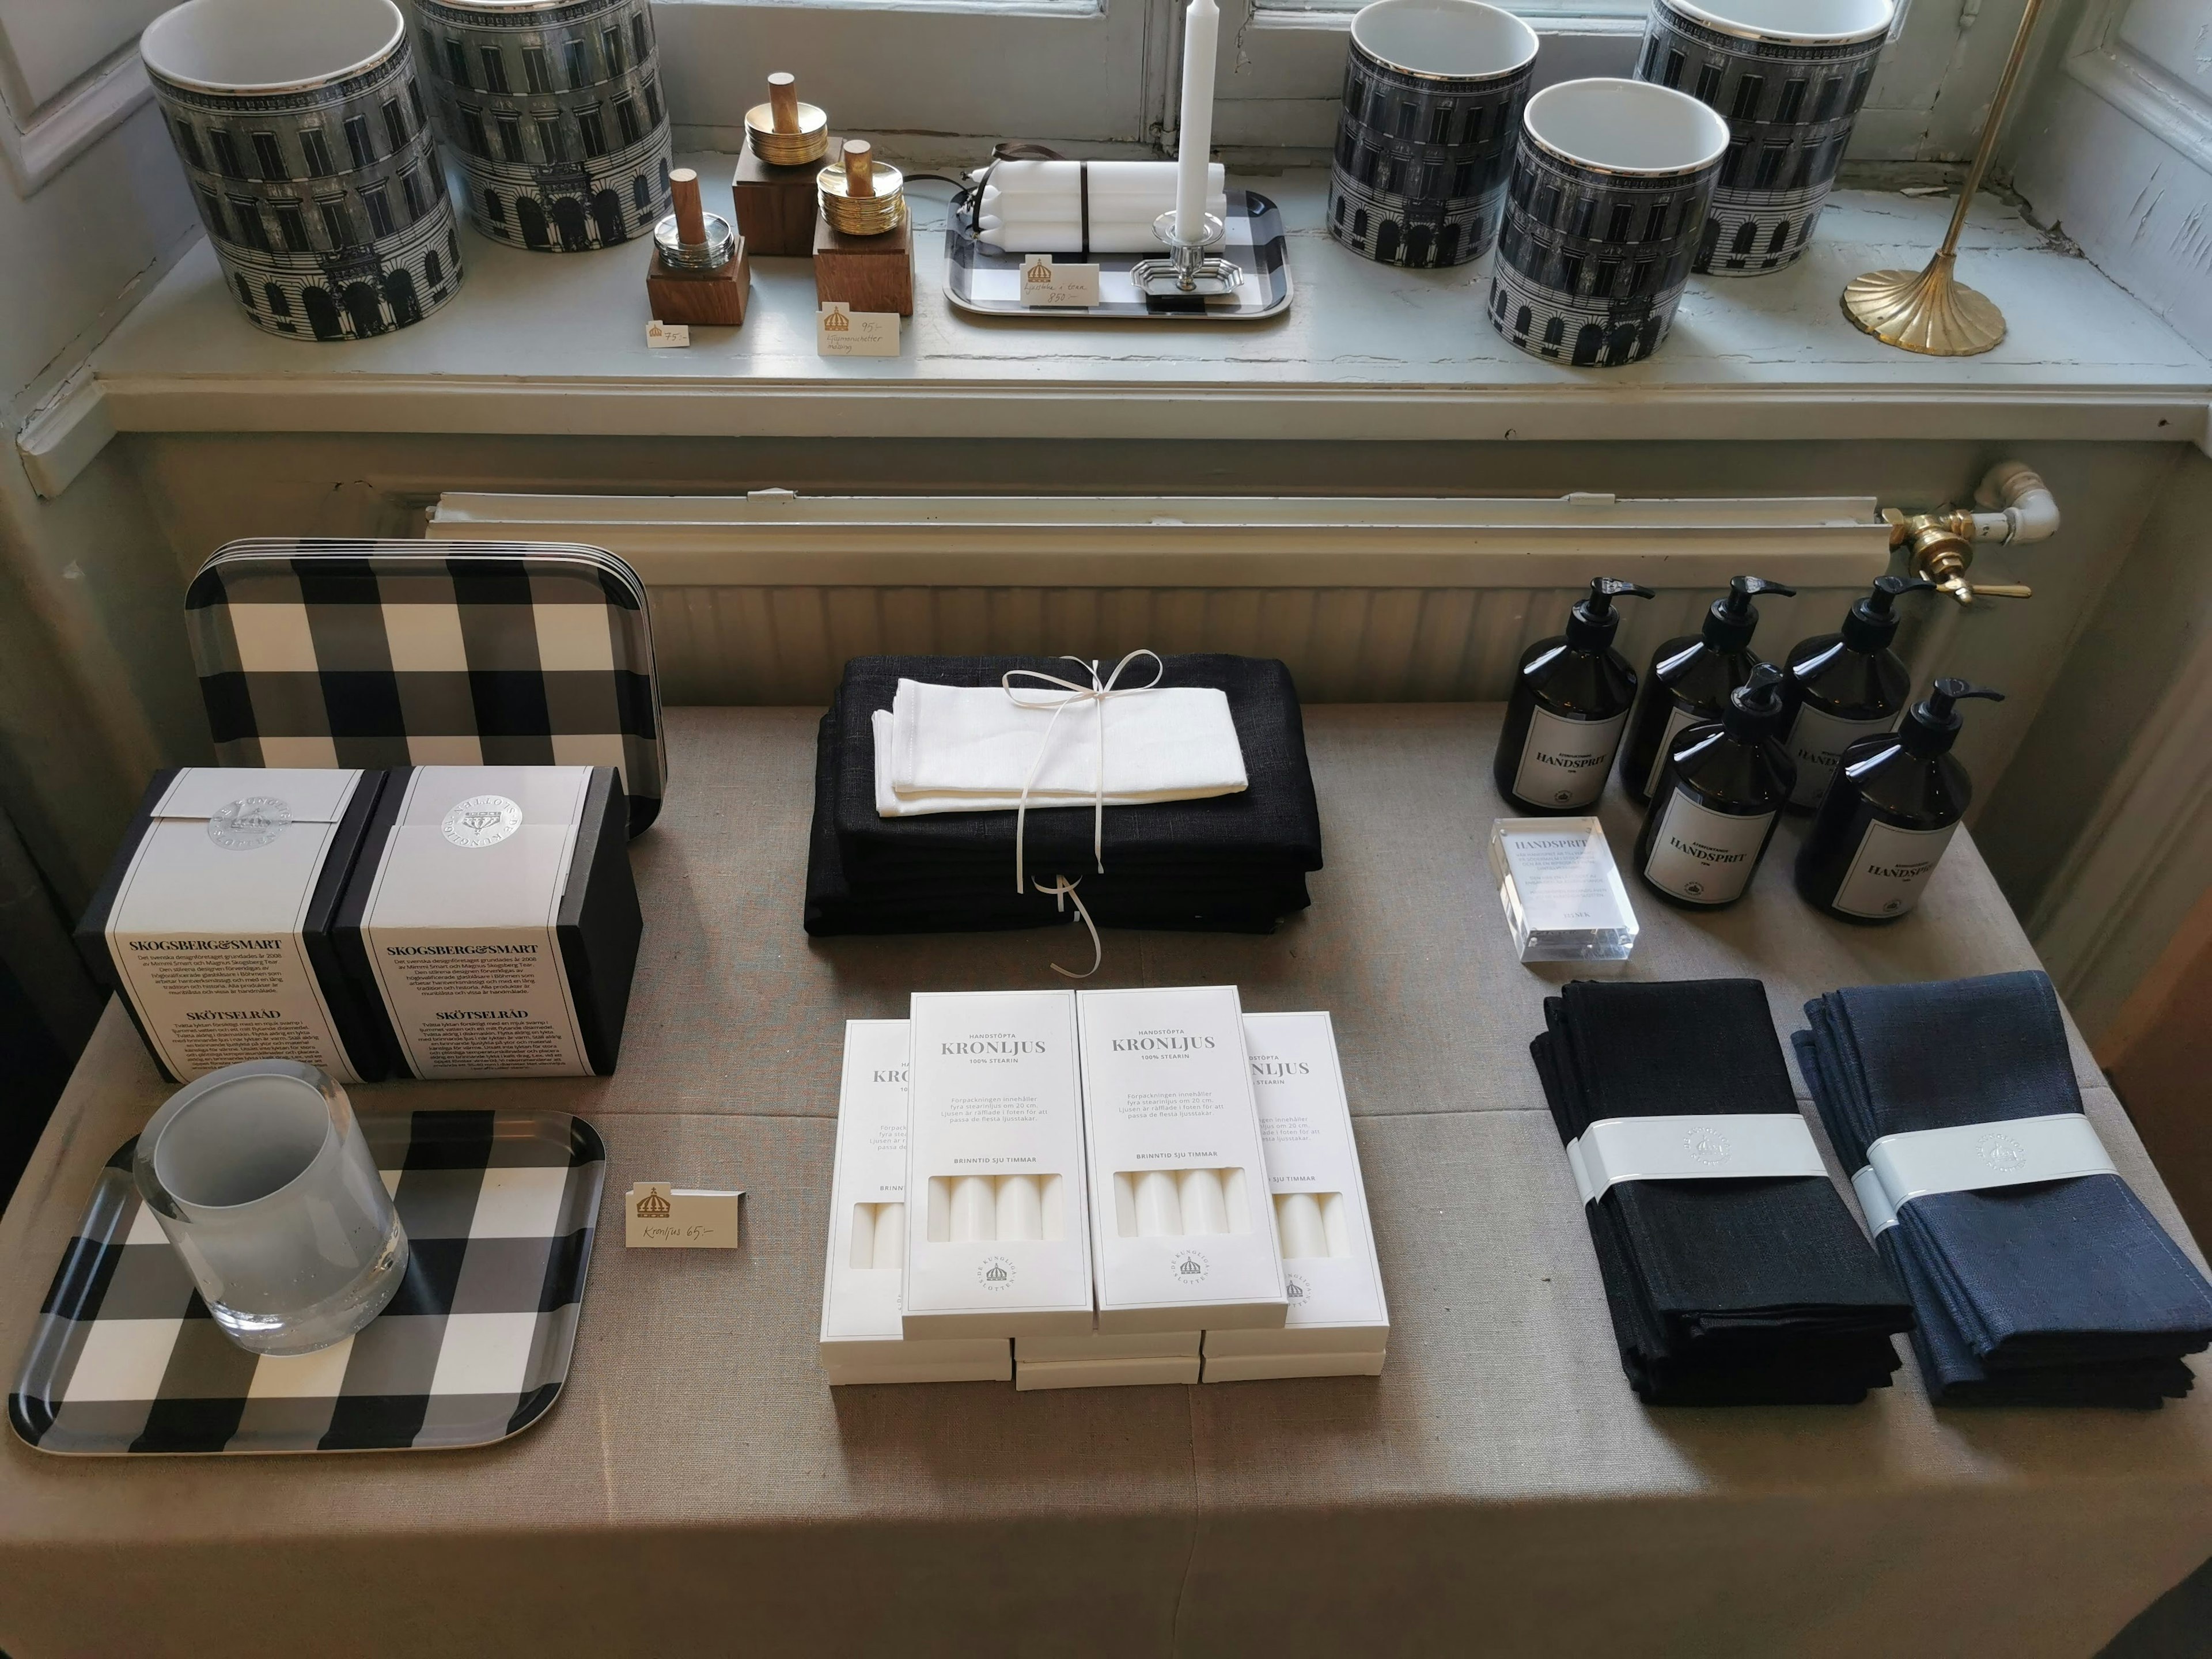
(1788, 76)
(556, 112)
(1432, 97)
(1603, 213)
(305, 139)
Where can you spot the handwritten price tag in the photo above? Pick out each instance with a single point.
(658, 333)
(659, 1217)
(1047, 283)
(841, 331)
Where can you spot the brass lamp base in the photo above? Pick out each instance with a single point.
(1929, 311)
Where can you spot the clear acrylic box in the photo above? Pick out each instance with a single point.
(1562, 893)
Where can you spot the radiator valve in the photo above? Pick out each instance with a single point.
(2016, 505)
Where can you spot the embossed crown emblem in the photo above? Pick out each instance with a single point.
(837, 323)
(1190, 1268)
(653, 1206)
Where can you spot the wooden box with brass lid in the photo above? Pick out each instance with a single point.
(864, 237)
(774, 188)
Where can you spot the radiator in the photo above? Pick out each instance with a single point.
(760, 599)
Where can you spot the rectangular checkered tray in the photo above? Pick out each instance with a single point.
(987, 280)
(499, 1207)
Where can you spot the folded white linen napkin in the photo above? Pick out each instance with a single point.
(969, 749)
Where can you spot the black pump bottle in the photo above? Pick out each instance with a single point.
(1571, 696)
(1889, 816)
(1690, 679)
(1844, 686)
(1722, 788)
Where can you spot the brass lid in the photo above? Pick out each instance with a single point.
(861, 195)
(784, 132)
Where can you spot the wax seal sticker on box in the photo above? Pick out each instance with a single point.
(659, 1217)
(254, 821)
(482, 821)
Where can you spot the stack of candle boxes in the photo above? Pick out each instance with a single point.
(430, 922)
(1094, 1188)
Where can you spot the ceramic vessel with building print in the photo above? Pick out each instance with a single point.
(554, 109)
(1432, 97)
(1788, 75)
(1604, 214)
(305, 139)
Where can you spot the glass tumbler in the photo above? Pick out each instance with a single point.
(263, 1183)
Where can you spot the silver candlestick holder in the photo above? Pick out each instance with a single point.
(1188, 268)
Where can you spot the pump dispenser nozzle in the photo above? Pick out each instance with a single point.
(1756, 705)
(1933, 725)
(1730, 622)
(1871, 624)
(1593, 622)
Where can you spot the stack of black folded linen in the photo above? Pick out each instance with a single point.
(1725, 1291)
(2064, 1291)
(1231, 863)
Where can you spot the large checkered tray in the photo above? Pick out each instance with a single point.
(499, 1207)
(988, 279)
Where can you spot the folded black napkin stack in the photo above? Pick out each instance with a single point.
(1752, 1291)
(2061, 1292)
(1233, 863)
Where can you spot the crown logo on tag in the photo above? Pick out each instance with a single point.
(837, 323)
(1039, 274)
(653, 1206)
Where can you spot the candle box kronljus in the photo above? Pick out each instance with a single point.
(214, 920)
(1338, 1323)
(1182, 1233)
(862, 1339)
(998, 1243)
(493, 920)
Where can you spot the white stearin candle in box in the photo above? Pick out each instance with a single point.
(862, 1338)
(1338, 1323)
(996, 1239)
(1183, 1231)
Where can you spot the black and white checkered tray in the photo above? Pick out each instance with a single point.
(499, 1208)
(988, 279)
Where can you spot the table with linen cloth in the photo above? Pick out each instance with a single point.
(699, 1489)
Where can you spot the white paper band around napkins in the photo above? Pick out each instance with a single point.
(1974, 1157)
(1724, 1146)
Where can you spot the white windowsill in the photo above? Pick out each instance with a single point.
(555, 343)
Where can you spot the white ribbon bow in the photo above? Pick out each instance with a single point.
(1096, 694)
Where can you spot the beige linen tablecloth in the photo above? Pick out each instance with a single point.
(698, 1489)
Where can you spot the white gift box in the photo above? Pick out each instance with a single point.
(998, 1240)
(862, 1338)
(1339, 1322)
(1182, 1233)
(1030, 1374)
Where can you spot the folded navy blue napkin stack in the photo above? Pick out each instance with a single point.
(1757, 1291)
(1233, 863)
(2061, 1292)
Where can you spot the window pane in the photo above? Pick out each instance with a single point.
(494, 67)
(317, 152)
(395, 124)
(356, 131)
(268, 157)
(535, 73)
(292, 226)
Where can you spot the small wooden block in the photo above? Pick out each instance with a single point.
(775, 205)
(868, 273)
(715, 299)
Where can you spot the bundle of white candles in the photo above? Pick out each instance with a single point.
(879, 1235)
(977, 1209)
(1174, 1203)
(1048, 207)
(1031, 207)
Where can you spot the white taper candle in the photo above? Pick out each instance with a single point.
(1201, 32)
(1297, 1219)
(1021, 1207)
(890, 1236)
(863, 1253)
(1203, 1211)
(1159, 1213)
(974, 1210)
